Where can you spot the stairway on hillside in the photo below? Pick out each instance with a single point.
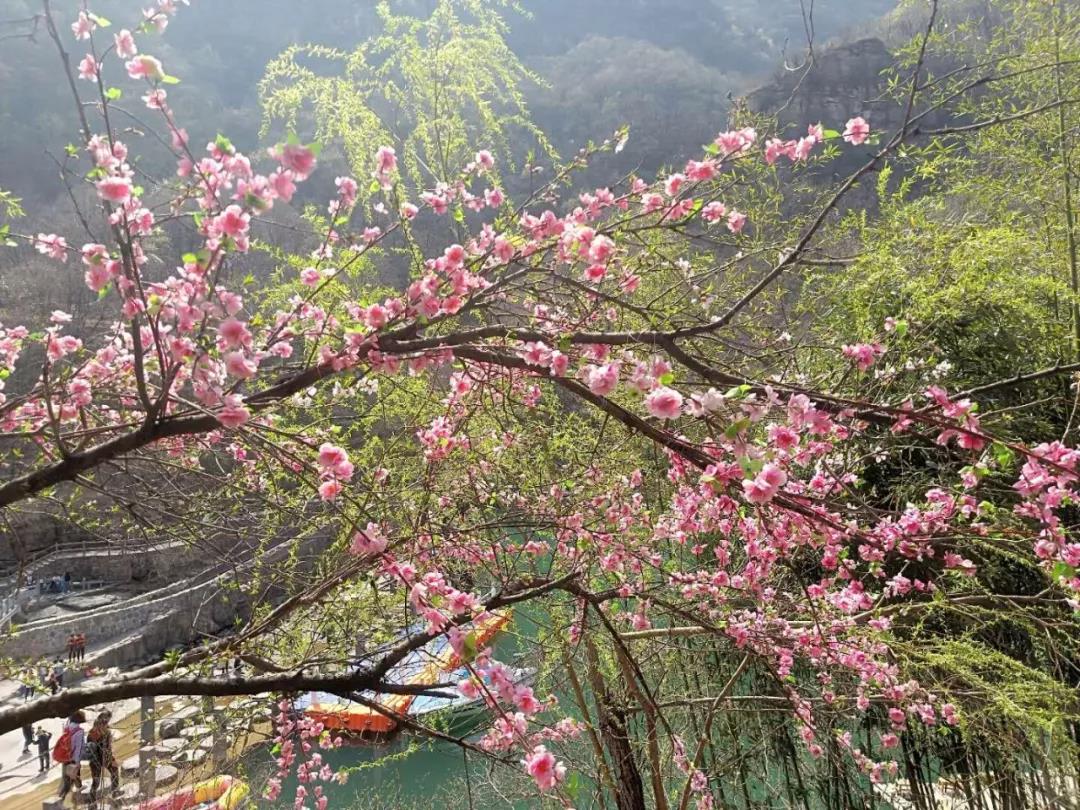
(138, 629)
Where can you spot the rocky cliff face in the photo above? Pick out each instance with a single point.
(844, 81)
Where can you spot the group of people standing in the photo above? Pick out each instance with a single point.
(95, 747)
(75, 746)
(76, 646)
(47, 679)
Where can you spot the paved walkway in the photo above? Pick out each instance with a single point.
(19, 772)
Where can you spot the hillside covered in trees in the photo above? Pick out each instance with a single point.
(685, 393)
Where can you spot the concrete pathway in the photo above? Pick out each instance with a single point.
(18, 772)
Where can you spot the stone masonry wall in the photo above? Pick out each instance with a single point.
(163, 562)
(149, 624)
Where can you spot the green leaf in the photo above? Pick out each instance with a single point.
(224, 144)
(468, 647)
(831, 133)
(316, 148)
(374, 187)
(736, 427)
(102, 22)
(738, 392)
(901, 328)
(1063, 571)
(751, 466)
(167, 79)
(114, 93)
(667, 379)
(72, 150)
(1002, 454)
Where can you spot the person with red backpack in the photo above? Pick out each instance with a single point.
(68, 753)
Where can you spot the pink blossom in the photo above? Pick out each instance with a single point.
(385, 165)
(485, 160)
(664, 403)
(240, 366)
(347, 190)
(602, 380)
(282, 184)
(543, 768)
(233, 414)
(369, 541)
(764, 486)
(376, 316)
(503, 249)
(97, 277)
(233, 334)
(674, 184)
(736, 221)
(89, 68)
(699, 171)
(125, 44)
(334, 460)
(114, 189)
(714, 212)
(298, 159)
(735, 141)
(856, 131)
(329, 490)
(559, 364)
(864, 354)
(145, 67)
(82, 26)
(51, 245)
(601, 249)
(233, 222)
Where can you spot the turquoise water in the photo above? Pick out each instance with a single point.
(406, 772)
(402, 774)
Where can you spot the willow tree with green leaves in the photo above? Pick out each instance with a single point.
(594, 411)
(436, 89)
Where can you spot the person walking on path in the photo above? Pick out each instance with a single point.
(68, 752)
(27, 677)
(100, 753)
(28, 737)
(42, 740)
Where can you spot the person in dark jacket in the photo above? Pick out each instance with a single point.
(44, 759)
(28, 737)
(102, 759)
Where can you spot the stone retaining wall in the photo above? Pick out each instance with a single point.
(149, 624)
(137, 564)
